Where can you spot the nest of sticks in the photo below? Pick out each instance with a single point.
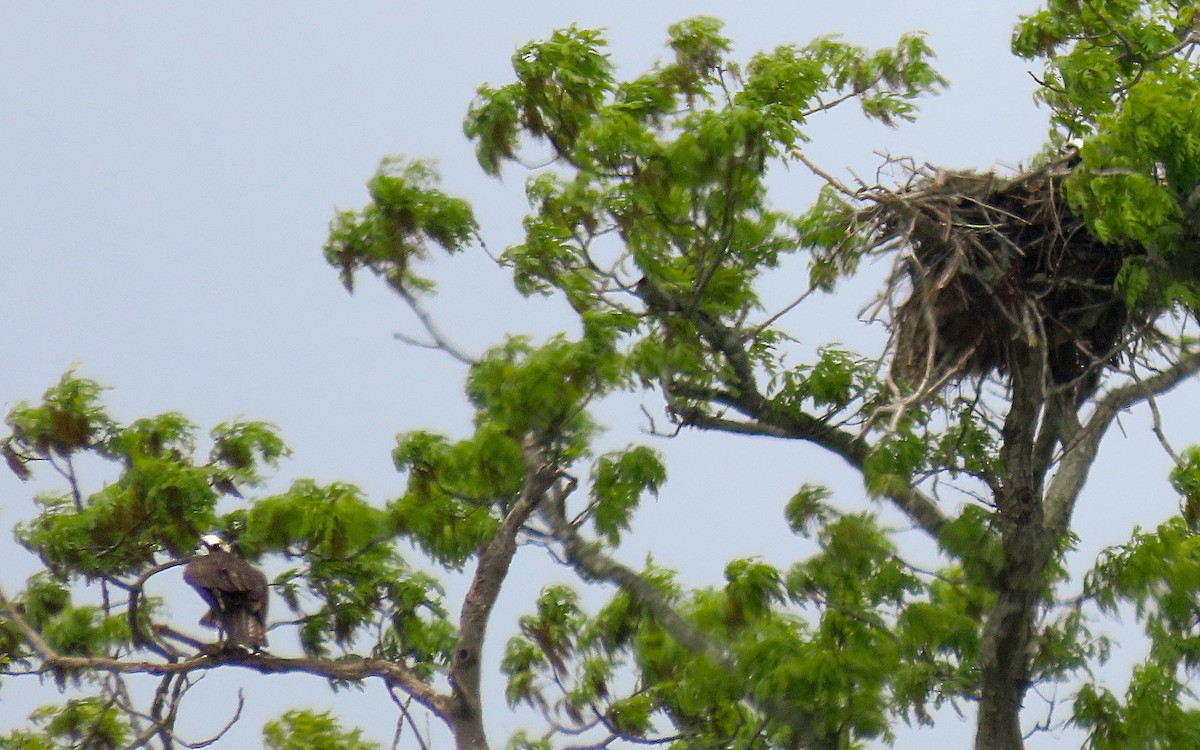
(992, 271)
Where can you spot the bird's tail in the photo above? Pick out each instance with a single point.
(247, 630)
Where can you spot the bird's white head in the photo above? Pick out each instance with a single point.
(211, 542)
(1071, 148)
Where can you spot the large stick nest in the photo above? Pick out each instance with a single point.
(993, 270)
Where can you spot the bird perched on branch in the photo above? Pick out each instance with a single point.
(1071, 152)
(235, 591)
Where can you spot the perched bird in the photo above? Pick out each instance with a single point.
(1071, 152)
(235, 591)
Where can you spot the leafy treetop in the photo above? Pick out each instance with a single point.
(652, 220)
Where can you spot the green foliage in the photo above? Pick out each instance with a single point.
(162, 499)
(1153, 715)
(561, 645)
(447, 509)
(870, 653)
(309, 730)
(893, 464)
(1158, 573)
(79, 724)
(827, 229)
(407, 213)
(830, 383)
(808, 509)
(1113, 73)
(542, 391)
(1185, 478)
(333, 521)
(85, 631)
(618, 481)
(560, 81)
(351, 568)
(1097, 52)
(547, 638)
(242, 447)
(948, 435)
(70, 418)
(655, 226)
(522, 741)
(753, 588)
(971, 540)
(71, 630)
(674, 162)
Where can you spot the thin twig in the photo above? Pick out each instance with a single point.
(439, 339)
(405, 716)
(237, 714)
(833, 182)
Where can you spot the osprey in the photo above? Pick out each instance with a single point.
(235, 591)
(1071, 152)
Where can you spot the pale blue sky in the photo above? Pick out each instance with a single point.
(167, 173)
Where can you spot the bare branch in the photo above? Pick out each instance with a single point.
(136, 594)
(237, 714)
(439, 339)
(1083, 441)
(1157, 429)
(832, 181)
(743, 395)
(918, 506)
(753, 333)
(405, 716)
(347, 669)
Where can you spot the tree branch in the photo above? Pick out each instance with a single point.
(1004, 648)
(798, 425)
(918, 506)
(352, 669)
(439, 339)
(237, 714)
(592, 564)
(1082, 442)
(465, 707)
(136, 594)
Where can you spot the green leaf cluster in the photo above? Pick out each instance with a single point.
(543, 391)
(309, 730)
(660, 191)
(831, 383)
(80, 724)
(69, 629)
(350, 566)
(1158, 573)
(163, 497)
(877, 642)
(948, 435)
(70, 418)
(1119, 75)
(407, 214)
(1097, 51)
(448, 508)
(618, 482)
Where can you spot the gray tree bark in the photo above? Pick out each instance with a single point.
(1005, 648)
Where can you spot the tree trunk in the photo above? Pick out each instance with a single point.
(1005, 654)
(495, 558)
(467, 726)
